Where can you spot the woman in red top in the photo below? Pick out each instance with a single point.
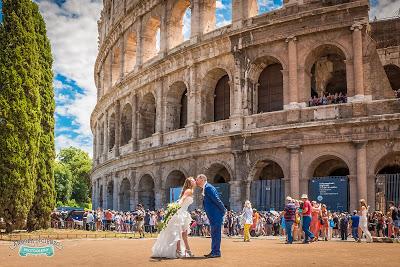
(325, 219)
(315, 215)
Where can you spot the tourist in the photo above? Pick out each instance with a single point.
(289, 215)
(308, 235)
(248, 220)
(364, 220)
(315, 225)
(355, 221)
(325, 222)
(140, 214)
(395, 218)
(343, 226)
(90, 221)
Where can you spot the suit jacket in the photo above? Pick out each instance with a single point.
(213, 205)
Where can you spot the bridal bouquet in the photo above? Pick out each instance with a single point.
(172, 208)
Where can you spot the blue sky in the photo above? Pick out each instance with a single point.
(72, 30)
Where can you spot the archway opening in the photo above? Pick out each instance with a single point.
(270, 89)
(328, 76)
(393, 74)
(215, 95)
(219, 176)
(130, 52)
(110, 195)
(125, 195)
(179, 23)
(222, 99)
(176, 107)
(329, 183)
(146, 192)
(267, 187)
(116, 65)
(126, 124)
(151, 38)
(147, 116)
(387, 183)
(174, 185)
(111, 140)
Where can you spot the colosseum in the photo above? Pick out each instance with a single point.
(301, 99)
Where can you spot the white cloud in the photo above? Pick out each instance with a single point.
(385, 9)
(72, 30)
(63, 141)
(219, 4)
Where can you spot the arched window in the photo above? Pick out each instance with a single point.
(223, 13)
(151, 38)
(179, 23)
(222, 99)
(184, 106)
(176, 107)
(130, 52)
(147, 116)
(270, 90)
(126, 124)
(215, 14)
(111, 138)
(116, 64)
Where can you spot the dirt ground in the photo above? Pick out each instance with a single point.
(134, 252)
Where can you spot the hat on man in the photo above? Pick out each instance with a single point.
(304, 196)
(288, 198)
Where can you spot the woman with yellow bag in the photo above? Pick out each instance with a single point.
(248, 219)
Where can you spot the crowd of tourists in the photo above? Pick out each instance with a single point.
(301, 220)
(327, 99)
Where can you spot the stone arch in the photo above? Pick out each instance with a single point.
(126, 124)
(111, 133)
(263, 161)
(176, 22)
(116, 64)
(125, 195)
(130, 51)
(147, 116)
(101, 197)
(110, 195)
(326, 70)
(387, 180)
(176, 105)
(388, 164)
(393, 74)
(218, 172)
(146, 192)
(174, 179)
(267, 187)
(340, 160)
(151, 38)
(101, 141)
(209, 85)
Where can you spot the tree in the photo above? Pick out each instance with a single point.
(19, 112)
(80, 165)
(63, 178)
(44, 201)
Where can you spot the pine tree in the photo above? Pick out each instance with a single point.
(19, 112)
(44, 201)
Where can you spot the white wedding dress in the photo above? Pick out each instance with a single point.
(165, 246)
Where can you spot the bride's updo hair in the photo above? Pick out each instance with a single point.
(187, 185)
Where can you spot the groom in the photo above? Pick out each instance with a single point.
(215, 211)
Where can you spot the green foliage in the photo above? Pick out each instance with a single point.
(79, 164)
(63, 178)
(20, 113)
(44, 201)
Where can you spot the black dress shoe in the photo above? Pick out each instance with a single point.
(207, 255)
(214, 256)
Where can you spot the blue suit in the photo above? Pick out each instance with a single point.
(215, 210)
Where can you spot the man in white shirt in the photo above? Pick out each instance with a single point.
(90, 221)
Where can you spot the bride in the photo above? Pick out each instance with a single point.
(169, 242)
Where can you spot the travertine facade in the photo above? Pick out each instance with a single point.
(233, 102)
